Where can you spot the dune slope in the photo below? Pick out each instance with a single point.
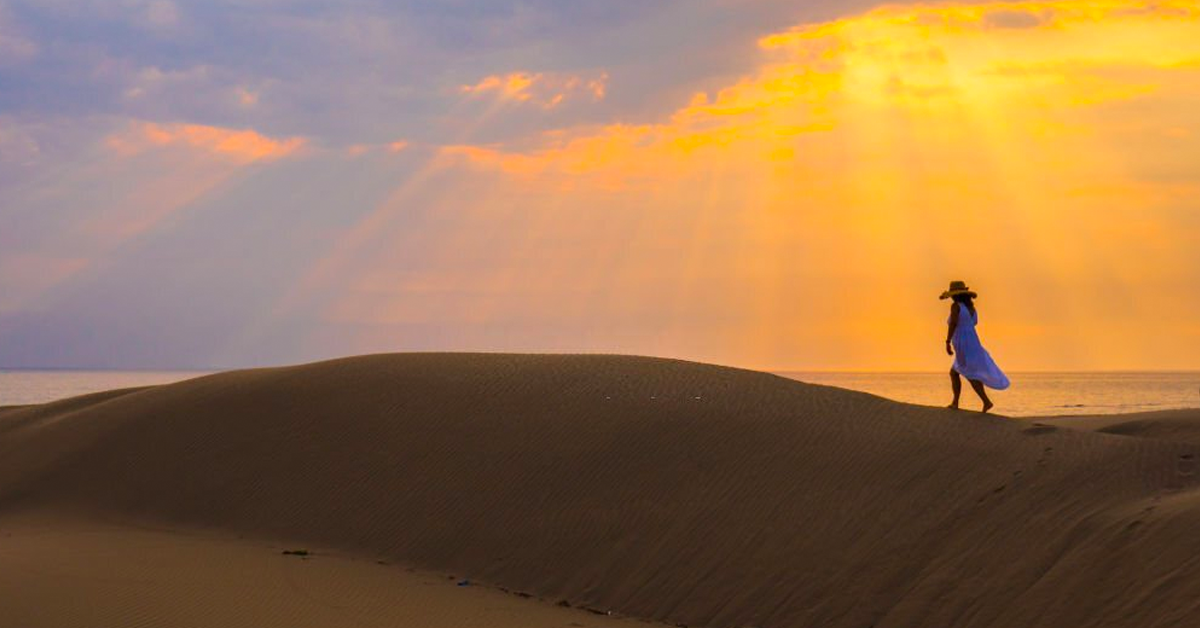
(63, 572)
(661, 489)
(1174, 425)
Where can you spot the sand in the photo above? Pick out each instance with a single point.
(658, 489)
(66, 572)
(1174, 425)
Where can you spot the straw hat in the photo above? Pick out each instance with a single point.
(957, 288)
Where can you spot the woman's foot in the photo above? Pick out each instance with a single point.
(953, 405)
(987, 405)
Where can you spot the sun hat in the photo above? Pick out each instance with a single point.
(957, 288)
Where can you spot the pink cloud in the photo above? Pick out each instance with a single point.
(390, 148)
(238, 145)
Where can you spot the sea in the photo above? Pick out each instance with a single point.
(23, 387)
(1031, 394)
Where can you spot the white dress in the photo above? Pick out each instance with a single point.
(971, 360)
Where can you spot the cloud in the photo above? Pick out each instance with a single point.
(545, 90)
(162, 15)
(357, 71)
(154, 81)
(71, 207)
(261, 198)
(385, 148)
(1017, 19)
(246, 97)
(241, 146)
(877, 133)
(886, 58)
(15, 47)
(18, 146)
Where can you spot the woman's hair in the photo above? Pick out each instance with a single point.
(966, 300)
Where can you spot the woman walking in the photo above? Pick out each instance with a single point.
(971, 360)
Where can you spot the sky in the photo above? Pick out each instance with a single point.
(784, 185)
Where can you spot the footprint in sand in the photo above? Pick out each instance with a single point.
(1186, 465)
(995, 491)
(1039, 428)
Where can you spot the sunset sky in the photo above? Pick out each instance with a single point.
(776, 184)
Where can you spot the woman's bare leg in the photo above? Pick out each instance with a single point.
(956, 386)
(978, 386)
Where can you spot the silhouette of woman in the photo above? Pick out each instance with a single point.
(971, 360)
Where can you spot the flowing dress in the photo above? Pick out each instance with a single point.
(971, 360)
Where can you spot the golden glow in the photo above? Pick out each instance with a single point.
(805, 214)
(808, 214)
(1024, 62)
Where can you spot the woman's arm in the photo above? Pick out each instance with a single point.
(951, 327)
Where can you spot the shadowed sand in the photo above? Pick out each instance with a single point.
(660, 489)
(1174, 425)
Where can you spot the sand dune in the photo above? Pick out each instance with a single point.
(660, 489)
(1174, 425)
(64, 572)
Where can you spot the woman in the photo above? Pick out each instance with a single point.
(971, 360)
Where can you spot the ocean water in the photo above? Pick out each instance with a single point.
(1032, 394)
(25, 387)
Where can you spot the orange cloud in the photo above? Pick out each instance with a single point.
(1026, 146)
(246, 98)
(547, 90)
(1020, 63)
(357, 150)
(240, 146)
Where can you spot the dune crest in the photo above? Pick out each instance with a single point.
(661, 489)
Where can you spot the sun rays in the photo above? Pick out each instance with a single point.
(872, 154)
(799, 216)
